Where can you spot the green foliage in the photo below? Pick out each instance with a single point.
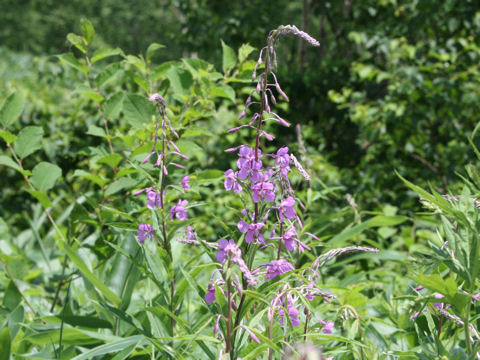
(394, 87)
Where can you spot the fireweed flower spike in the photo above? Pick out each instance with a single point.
(261, 180)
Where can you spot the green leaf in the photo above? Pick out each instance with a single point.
(377, 221)
(194, 130)
(138, 110)
(152, 49)
(87, 322)
(45, 175)
(5, 160)
(180, 80)
(5, 344)
(11, 109)
(96, 131)
(137, 62)
(111, 160)
(29, 140)
(82, 267)
(124, 274)
(88, 31)
(229, 58)
(120, 184)
(89, 92)
(77, 41)
(107, 74)
(11, 297)
(223, 91)
(70, 336)
(113, 106)
(92, 177)
(244, 51)
(112, 347)
(104, 53)
(7, 136)
(70, 60)
(41, 197)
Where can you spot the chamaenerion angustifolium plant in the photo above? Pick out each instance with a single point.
(251, 282)
(446, 300)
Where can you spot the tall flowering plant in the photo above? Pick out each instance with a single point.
(268, 243)
(165, 150)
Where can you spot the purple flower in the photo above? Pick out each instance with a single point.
(289, 238)
(179, 211)
(438, 305)
(248, 165)
(153, 199)
(253, 231)
(277, 268)
(210, 295)
(145, 231)
(155, 97)
(308, 295)
(282, 159)
(228, 249)
(185, 181)
(476, 297)
(292, 314)
(327, 326)
(231, 182)
(263, 189)
(286, 208)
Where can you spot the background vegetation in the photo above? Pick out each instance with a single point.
(394, 87)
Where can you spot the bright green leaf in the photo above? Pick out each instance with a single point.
(45, 175)
(70, 60)
(104, 53)
(138, 110)
(7, 136)
(29, 140)
(11, 109)
(88, 31)
(229, 58)
(152, 49)
(107, 74)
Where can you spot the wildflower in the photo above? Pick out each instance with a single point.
(231, 183)
(476, 297)
(263, 189)
(253, 231)
(282, 159)
(438, 305)
(289, 238)
(292, 314)
(277, 268)
(309, 295)
(210, 295)
(227, 249)
(179, 211)
(248, 165)
(144, 231)
(155, 97)
(185, 181)
(327, 326)
(153, 198)
(286, 208)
